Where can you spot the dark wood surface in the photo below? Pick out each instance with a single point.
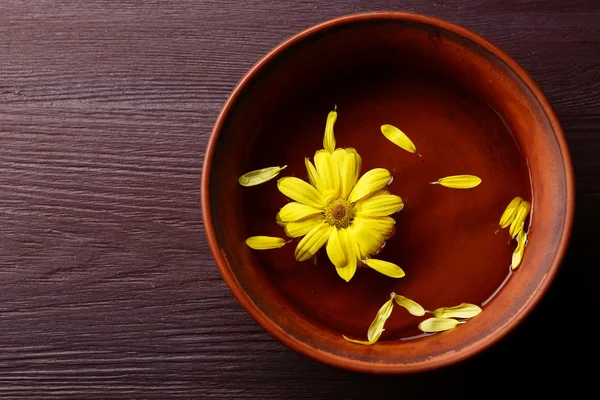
(107, 286)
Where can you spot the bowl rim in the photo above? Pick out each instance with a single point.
(330, 358)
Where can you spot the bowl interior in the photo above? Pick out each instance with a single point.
(466, 111)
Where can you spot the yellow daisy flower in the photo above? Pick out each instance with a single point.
(341, 210)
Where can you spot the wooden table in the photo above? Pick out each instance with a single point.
(107, 286)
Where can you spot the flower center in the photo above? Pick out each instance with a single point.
(339, 213)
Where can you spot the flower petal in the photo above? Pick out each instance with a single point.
(347, 272)
(464, 310)
(302, 227)
(329, 137)
(312, 242)
(328, 171)
(385, 268)
(265, 242)
(363, 342)
(294, 211)
(313, 176)
(411, 306)
(339, 156)
(376, 328)
(335, 251)
(259, 176)
(385, 226)
(398, 137)
(379, 206)
(357, 161)
(300, 191)
(431, 325)
(459, 181)
(519, 222)
(510, 213)
(369, 240)
(348, 171)
(279, 221)
(370, 182)
(518, 254)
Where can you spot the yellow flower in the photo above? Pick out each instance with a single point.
(341, 210)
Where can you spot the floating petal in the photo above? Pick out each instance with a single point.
(519, 222)
(411, 306)
(399, 138)
(363, 342)
(259, 176)
(459, 181)
(385, 268)
(510, 213)
(432, 325)
(518, 254)
(265, 242)
(376, 328)
(464, 310)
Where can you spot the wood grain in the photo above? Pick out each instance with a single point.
(108, 289)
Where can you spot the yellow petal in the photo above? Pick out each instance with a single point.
(357, 161)
(464, 310)
(265, 242)
(411, 306)
(302, 227)
(368, 239)
(379, 205)
(519, 222)
(385, 268)
(398, 137)
(279, 221)
(376, 328)
(328, 170)
(363, 342)
(348, 271)
(510, 213)
(371, 181)
(432, 325)
(348, 171)
(339, 156)
(313, 176)
(459, 181)
(329, 138)
(312, 242)
(259, 176)
(294, 211)
(335, 252)
(300, 191)
(518, 254)
(382, 225)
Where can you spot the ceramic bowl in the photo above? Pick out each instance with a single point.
(470, 109)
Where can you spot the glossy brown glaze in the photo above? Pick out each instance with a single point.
(469, 109)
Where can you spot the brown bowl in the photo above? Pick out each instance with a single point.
(469, 108)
